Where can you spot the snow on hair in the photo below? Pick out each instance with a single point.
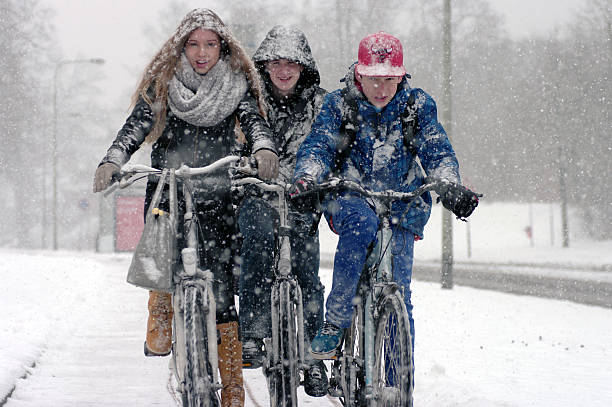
(153, 86)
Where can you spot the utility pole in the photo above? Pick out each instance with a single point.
(447, 225)
(563, 193)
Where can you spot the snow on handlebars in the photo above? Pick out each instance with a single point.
(431, 184)
(129, 172)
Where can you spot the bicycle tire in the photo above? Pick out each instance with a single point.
(198, 387)
(284, 370)
(351, 364)
(392, 380)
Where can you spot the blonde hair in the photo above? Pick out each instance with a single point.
(153, 86)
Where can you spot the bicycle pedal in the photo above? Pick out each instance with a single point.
(251, 365)
(335, 356)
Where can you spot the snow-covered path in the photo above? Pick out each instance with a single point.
(89, 329)
(73, 317)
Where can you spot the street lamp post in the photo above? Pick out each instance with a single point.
(97, 61)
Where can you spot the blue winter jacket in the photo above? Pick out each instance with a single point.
(378, 159)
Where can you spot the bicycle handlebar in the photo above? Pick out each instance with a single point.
(266, 186)
(249, 167)
(431, 184)
(129, 172)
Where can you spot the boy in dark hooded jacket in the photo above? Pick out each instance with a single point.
(293, 98)
(379, 159)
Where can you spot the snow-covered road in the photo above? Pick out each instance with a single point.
(73, 329)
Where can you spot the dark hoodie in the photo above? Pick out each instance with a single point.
(290, 43)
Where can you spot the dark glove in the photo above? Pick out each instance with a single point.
(301, 186)
(458, 199)
(267, 164)
(105, 175)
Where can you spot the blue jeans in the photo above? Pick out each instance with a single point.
(356, 223)
(258, 223)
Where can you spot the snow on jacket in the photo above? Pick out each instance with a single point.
(184, 143)
(290, 43)
(378, 159)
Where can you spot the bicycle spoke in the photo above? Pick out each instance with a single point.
(392, 381)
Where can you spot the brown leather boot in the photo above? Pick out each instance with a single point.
(230, 365)
(159, 324)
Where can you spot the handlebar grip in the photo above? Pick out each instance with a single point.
(110, 189)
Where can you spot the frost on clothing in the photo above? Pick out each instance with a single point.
(290, 119)
(291, 44)
(205, 100)
(378, 158)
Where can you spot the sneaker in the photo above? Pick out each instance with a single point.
(315, 380)
(327, 342)
(253, 353)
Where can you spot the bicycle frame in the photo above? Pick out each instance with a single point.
(353, 371)
(192, 276)
(285, 284)
(381, 279)
(189, 276)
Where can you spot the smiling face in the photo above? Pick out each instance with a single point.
(379, 90)
(284, 75)
(203, 48)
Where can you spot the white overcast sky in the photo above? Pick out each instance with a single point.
(113, 29)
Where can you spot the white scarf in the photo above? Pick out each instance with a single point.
(205, 100)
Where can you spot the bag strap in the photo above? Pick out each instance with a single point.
(350, 124)
(173, 199)
(158, 190)
(409, 123)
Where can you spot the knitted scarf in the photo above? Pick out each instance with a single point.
(205, 100)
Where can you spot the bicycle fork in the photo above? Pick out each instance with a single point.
(384, 274)
(284, 287)
(195, 277)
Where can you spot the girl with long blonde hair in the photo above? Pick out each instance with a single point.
(194, 92)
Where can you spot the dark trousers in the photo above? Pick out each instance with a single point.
(217, 234)
(356, 223)
(258, 223)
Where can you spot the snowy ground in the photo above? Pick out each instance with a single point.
(72, 317)
(71, 331)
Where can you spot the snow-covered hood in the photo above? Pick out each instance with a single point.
(288, 43)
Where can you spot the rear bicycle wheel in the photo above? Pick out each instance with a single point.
(198, 388)
(284, 369)
(392, 379)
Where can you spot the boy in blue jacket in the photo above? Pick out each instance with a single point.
(381, 155)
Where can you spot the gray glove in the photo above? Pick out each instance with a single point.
(267, 164)
(104, 176)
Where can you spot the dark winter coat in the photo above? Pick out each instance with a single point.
(378, 158)
(301, 108)
(183, 143)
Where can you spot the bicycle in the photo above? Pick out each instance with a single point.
(374, 366)
(285, 349)
(194, 359)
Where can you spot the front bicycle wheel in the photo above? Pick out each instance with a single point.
(284, 369)
(198, 388)
(351, 364)
(392, 381)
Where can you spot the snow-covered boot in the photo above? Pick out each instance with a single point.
(230, 365)
(159, 324)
